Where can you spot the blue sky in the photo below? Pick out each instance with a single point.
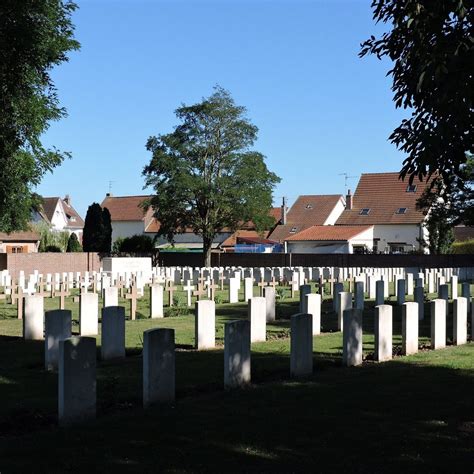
(320, 109)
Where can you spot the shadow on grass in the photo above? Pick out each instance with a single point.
(395, 417)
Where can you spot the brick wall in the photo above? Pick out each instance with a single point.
(49, 262)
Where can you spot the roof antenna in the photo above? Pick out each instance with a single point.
(110, 187)
(346, 179)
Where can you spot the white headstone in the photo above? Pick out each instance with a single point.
(33, 318)
(257, 308)
(57, 325)
(301, 345)
(383, 332)
(89, 314)
(352, 338)
(205, 324)
(409, 328)
(113, 333)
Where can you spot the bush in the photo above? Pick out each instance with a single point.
(136, 243)
(73, 244)
(466, 247)
(52, 248)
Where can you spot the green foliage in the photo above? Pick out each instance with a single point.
(205, 175)
(35, 36)
(117, 245)
(280, 293)
(431, 46)
(447, 206)
(51, 239)
(97, 233)
(465, 247)
(73, 244)
(53, 248)
(136, 244)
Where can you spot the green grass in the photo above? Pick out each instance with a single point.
(411, 414)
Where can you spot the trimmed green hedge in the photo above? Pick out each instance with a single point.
(465, 247)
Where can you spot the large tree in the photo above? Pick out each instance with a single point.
(35, 35)
(204, 174)
(431, 45)
(97, 233)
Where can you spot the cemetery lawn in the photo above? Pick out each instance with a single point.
(412, 414)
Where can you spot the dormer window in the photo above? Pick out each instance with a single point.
(309, 206)
(364, 212)
(411, 188)
(72, 219)
(401, 210)
(293, 230)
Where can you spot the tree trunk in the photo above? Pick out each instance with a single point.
(206, 250)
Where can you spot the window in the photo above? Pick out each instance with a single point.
(364, 212)
(411, 188)
(401, 210)
(309, 206)
(293, 230)
(72, 219)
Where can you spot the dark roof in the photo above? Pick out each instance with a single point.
(329, 232)
(308, 210)
(383, 194)
(48, 207)
(462, 233)
(125, 208)
(26, 236)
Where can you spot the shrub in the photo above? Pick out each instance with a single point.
(137, 243)
(466, 247)
(52, 248)
(73, 244)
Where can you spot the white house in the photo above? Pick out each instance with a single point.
(384, 201)
(127, 216)
(332, 239)
(60, 215)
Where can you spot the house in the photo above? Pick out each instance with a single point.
(59, 215)
(129, 218)
(19, 242)
(387, 203)
(308, 211)
(332, 239)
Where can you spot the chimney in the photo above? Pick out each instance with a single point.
(108, 195)
(349, 200)
(67, 199)
(283, 211)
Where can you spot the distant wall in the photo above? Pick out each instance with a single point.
(317, 260)
(49, 262)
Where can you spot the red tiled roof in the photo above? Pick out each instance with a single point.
(232, 240)
(74, 219)
(383, 194)
(307, 211)
(329, 232)
(125, 208)
(275, 212)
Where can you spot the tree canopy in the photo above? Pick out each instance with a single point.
(73, 244)
(35, 36)
(431, 45)
(97, 233)
(204, 174)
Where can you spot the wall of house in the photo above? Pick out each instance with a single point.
(28, 247)
(335, 213)
(49, 262)
(124, 229)
(400, 233)
(318, 247)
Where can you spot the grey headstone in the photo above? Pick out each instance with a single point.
(237, 370)
(158, 366)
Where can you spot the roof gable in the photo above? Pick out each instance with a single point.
(329, 233)
(307, 211)
(378, 199)
(125, 208)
